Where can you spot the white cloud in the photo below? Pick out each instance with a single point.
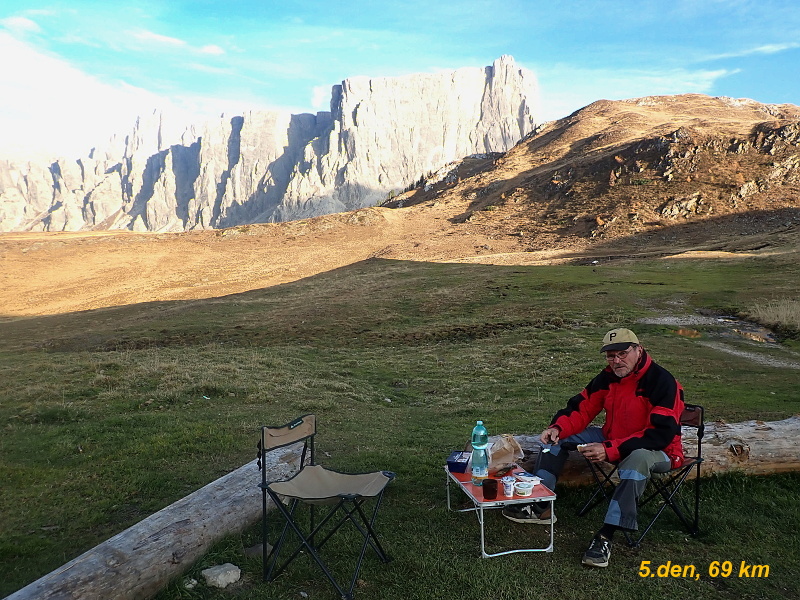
(20, 25)
(764, 49)
(156, 38)
(50, 107)
(321, 97)
(212, 49)
(158, 42)
(774, 48)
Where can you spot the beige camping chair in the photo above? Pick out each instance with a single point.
(345, 496)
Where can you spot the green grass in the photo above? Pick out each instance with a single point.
(110, 415)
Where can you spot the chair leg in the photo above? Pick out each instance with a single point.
(373, 538)
(270, 573)
(678, 505)
(600, 488)
(669, 493)
(264, 533)
(369, 535)
(304, 543)
(354, 514)
(697, 498)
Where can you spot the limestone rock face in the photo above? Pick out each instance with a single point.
(380, 136)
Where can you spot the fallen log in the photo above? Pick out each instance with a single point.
(138, 562)
(750, 447)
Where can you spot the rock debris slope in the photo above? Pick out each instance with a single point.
(380, 136)
(661, 170)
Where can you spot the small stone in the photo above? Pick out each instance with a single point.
(190, 584)
(221, 576)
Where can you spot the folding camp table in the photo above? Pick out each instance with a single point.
(475, 493)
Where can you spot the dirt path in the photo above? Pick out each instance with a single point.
(761, 359)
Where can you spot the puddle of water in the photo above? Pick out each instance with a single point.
(748, 330)
(732, 327)
(756, 336)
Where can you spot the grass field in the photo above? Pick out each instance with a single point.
(110, 415)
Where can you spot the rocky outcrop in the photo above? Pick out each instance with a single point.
(380, 136)
(645, 165)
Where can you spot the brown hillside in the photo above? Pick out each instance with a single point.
(643, 177)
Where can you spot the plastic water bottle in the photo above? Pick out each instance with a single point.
(480, 458)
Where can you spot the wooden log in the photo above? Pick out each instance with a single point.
(750, 447)
(139, 562)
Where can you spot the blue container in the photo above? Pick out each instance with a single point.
(457, 462)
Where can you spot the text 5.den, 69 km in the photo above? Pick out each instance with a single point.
(715, 569)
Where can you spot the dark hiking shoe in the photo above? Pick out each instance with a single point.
(529, 513)
(598, 553)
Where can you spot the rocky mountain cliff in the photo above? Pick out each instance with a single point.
(380, 136)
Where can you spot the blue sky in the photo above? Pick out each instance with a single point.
(75, 71)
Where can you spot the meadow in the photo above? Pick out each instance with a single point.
(111, 414)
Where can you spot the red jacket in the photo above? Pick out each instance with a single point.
(643, 410)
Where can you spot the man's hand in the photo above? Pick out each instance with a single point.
(595, 452)
(550, 435)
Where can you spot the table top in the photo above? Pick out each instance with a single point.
(475, 492)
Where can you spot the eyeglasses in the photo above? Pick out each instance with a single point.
(613, 356)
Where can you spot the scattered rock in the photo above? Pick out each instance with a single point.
(683, 207)
(221, 576)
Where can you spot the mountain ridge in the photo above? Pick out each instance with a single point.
(613, 181)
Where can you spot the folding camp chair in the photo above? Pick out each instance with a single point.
(344, 495)
(661, 486)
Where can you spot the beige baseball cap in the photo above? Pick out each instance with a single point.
(618, 339)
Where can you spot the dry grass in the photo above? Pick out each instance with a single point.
(782, 314)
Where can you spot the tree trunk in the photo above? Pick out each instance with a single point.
(751, 447)
(140, 561)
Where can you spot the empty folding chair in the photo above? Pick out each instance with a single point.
(664, 489)
(346, 498)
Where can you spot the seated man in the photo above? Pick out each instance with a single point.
(643, 403)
